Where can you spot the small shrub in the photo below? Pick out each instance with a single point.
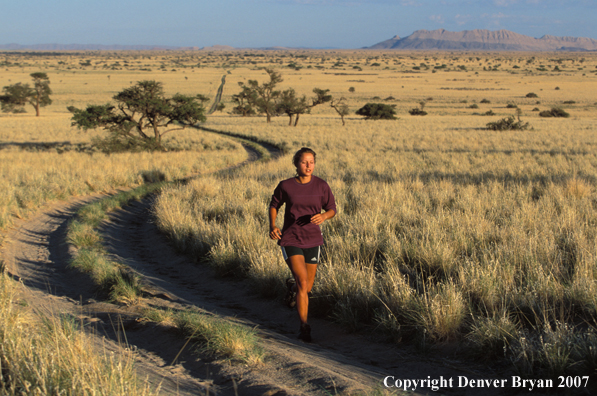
(126, 287)
(474, 106)
(153, 176)
(508, 124)
(377, 111)
(554, 112)
(489, 113)
(351, 89)
(485, 101)
(511, 106)
(376, 98)
(417, 111)
(115, 143)
(493, 334)
(535, 109)
(557, 88)
(569, 102)
(464, 101)
(532, 95)
(390, 98)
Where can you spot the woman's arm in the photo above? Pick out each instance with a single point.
(321, 217)
(274, 231)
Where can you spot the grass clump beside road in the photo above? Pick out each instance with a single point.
(212, 335)
(112, 279)
(50, 355)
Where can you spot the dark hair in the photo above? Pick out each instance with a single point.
(297, 156)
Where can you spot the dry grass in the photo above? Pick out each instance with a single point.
(455, 234)
(445, 229)
(35, 174)
(48, 354)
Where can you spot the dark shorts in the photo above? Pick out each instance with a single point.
(311, 254)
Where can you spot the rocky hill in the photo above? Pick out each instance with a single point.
(485, 40)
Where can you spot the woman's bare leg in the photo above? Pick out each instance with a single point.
(304, 276)
(311, 271)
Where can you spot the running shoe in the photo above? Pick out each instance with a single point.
(290, 298)
(305, 333)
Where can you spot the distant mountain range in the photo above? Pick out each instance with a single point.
(484, 40)
(441, 39)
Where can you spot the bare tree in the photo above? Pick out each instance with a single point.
(341, 108)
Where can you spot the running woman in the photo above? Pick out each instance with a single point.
(305, 196)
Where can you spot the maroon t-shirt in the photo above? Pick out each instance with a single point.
(302, 202)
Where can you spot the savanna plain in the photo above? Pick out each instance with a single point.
(449, 235)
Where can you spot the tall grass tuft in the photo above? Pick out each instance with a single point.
(50, 355)
(112, 279)
(213, 335)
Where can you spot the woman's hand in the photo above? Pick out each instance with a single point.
(275, 233)
(318, 219)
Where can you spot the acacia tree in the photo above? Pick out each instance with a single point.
(292, 105)
(321, 96)
(244, 101)
(16, 96)
(142, 114)
(263, 97)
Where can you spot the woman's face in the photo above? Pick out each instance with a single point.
(306, 165)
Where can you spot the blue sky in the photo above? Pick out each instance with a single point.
(292, 23)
